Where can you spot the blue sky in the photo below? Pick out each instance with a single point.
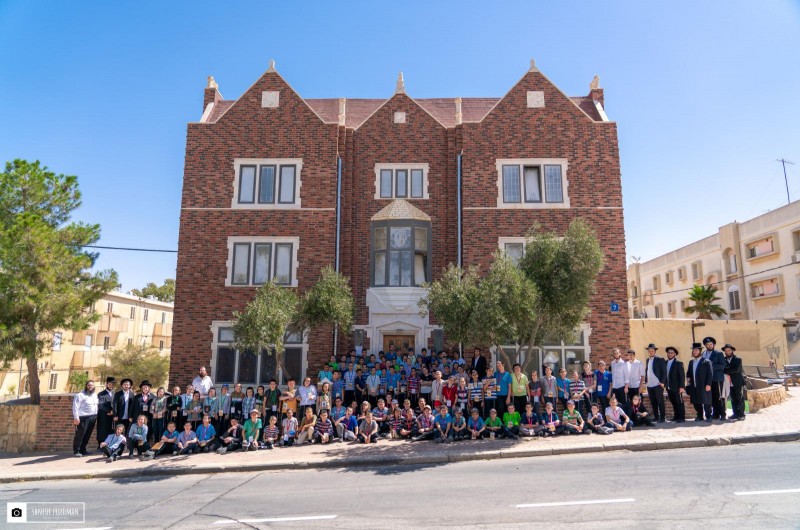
(705, 93)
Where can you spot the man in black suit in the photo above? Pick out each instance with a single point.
(105, 411)
(718, 364)
(733, 369)
(676, 384)
(123, 405)
(655, 377)
(479, 363)
(699, 378)
(143, 403)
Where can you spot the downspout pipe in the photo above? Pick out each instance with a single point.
(458, 208)
(338, 233)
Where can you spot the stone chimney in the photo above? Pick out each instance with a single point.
(595, 92)
(211, 93)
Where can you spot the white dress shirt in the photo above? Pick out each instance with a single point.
(202, 385)
(84, 404)
(635, 372)
(620, 373)
(652, 380)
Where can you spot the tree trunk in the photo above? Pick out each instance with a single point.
(33, 379)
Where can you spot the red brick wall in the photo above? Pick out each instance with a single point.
(54, 429)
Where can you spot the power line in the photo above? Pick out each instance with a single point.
(721, 282)
(785, 179)
(131, 249)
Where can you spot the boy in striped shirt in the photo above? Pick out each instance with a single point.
(271, 433)
(323, 429)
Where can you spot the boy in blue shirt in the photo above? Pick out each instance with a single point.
(206, 436)
(602, 378)
(168, 440)
(443, 426)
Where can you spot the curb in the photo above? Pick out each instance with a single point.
(432, 458)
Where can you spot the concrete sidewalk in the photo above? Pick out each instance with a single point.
(774, 424)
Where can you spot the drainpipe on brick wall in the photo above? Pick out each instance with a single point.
(338, 232)
(458, 209)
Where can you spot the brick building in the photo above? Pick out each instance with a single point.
(391, 191)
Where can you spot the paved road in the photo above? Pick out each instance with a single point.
(690, 488)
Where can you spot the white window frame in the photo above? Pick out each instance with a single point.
(541, 162)
(258, 162)
(53, 382)
(753, 243)
(503, 241)
(146, 315)
(216, 325)
(754, 283)
(233, 240)
(401, 166)
(734, 289)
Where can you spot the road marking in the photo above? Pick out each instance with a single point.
(278, 519)
(573, 503)
(765, 492)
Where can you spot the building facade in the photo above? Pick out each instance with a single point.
(389, 191)
(124, 320)
(754, 264)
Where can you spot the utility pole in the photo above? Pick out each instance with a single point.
(786, 180)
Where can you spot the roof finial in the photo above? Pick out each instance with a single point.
(271, 66)
(211, 83)
(595, 84)
(342, 111)
(401, 85)
(533, 66)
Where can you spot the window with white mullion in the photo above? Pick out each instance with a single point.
(266, 185)
(247, 184)
(262, 255)
(511, 184)
(287, 185)
(283, 263)
(401, 178)
(241, 264)
(386, 183)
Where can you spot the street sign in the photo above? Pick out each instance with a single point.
(614, 307)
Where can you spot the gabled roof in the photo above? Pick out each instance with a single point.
(400, 209)
(443, 110)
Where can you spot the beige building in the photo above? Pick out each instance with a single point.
(124, 319)
(755, 264)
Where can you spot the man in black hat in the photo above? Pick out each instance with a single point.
(143, 405)
(733, 369)
(105, 411)
(699, 379)
(676, 384)
(123, 404)
(718, 363)
(655, 377)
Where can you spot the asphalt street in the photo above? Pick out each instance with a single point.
(752, 486)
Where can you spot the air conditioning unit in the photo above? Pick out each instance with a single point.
(796, 257)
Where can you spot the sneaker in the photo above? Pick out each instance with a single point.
(222, 450)
(108, 459)
(174, 453)
(113, 458)
(78, 455)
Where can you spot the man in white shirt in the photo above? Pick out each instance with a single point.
(202, 383)
(620, 377)
(635, 374)
(84, 416)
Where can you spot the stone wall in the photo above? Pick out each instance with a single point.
(766, 397)
(18, 428)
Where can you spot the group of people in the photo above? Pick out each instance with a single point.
(405, 396)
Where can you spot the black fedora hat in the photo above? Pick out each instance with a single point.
(697, 345)
(145, 382)
(111, 379)
(729, 346)
(130, 381)
(671, 348)
(652, 346)
(709, 339)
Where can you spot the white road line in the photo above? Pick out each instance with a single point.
(765, 492)
(278, 519)
(573, 503)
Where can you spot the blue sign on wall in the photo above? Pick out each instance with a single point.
(614, 307)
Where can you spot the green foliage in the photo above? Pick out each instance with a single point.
(162, 293)
(329, 301)
(263, 323)
(138, 363)
(77, 380)
(546, 295)
(45, 278)
(453, 299)
(704, 298)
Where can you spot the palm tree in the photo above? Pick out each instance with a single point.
(704, 298)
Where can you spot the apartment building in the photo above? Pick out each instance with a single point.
(124, 320)
(389, 191)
